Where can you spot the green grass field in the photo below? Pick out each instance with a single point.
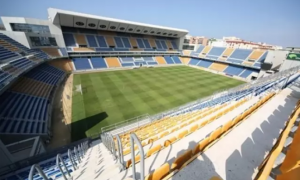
(114, 96)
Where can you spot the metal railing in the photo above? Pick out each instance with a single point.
(125, 123)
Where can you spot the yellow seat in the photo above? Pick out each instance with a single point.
(214, 135)
(200, 146)
(153, 150)
(159, 173)
(203, 123)
(194, 128)
(182, 134)
(178, 162)
(227, 126)
(163, 134)
(129, 162)
(170, 141)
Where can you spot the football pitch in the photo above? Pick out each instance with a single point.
(115, 96)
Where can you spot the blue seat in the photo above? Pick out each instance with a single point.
(163, 44)
(139, 63)
(104, 49)
(127, 64)
(147, 44)
(127, 59)
(148, 59)
(158, 44)
(247, 72)
(241, 54)
(233, 70)
(119, 42)
(151, 63)
(140, 43)
(101, 41)
(204, 63)
(199, 50)
(169, 60)
(263, 57)
(98, 62)
(257, 65)
(174, 45)
(216, 51)
(81, 63)
(176, 59)
(69, 40)
(194, 61)
(91, 41)
(126, 42)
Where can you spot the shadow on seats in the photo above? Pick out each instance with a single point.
(243, 163)
(79, 128)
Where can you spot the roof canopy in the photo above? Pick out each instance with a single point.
(80, 20)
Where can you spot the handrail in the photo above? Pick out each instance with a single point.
(77, 155)
(58, 158)
(39, 170)
(134, 139)
(120, 152)
(71, 157)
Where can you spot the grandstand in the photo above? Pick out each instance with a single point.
(138, 106)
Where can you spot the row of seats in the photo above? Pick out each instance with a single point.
(105, 41)
(186, 131)
(113, 62)
(229, 69)
(6, 54)
(24, 108)
(236, 56)
(167, 171)
(284, 155)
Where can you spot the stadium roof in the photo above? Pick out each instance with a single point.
(80, 20)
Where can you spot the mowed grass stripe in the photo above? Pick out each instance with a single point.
(115, 96)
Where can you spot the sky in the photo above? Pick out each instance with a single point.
(272, 21)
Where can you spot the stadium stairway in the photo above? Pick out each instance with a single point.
(99, 164)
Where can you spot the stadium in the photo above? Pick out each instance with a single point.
(90, 97)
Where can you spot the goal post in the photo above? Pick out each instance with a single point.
(78, 88)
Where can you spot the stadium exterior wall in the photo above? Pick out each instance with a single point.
(55, 30)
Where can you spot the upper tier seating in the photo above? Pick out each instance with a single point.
(205, 51)
(233, 70)
(22, 63)
(226, 53)
(6, 54)
(263, 57)
(16, 44)
(215, 53)
(240, 54)
(256, 54)
(94, 40)
(195, 53)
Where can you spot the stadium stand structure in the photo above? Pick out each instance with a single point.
(81, 40)
(166, 145)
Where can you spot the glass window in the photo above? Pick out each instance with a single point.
(187, 47)
(39, 29)
(43, 41)
(186, 41)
